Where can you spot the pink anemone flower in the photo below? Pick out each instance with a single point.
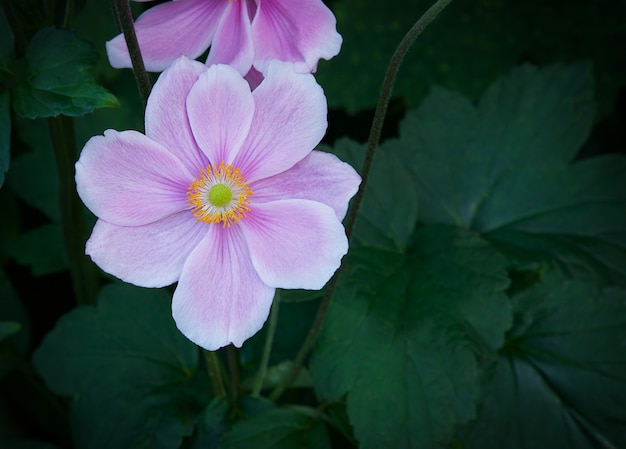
(245, 34)
(223, 194)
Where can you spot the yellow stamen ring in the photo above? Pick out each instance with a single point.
(219, 194)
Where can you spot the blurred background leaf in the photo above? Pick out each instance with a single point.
(57, 79)
(469, 45)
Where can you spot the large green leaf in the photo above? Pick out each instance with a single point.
(388, 213)
(278, 428)
(57, 79)
(468, 45)
(503, 168)
(403, 333)
(561, 378)
(130, 371)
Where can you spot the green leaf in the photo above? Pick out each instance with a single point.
(561, 377)
(31, 177)
(469, 45)
(12, 310)
(278, 428)
(403, 334)
(8, 328)
(58, 81)
(388, 213)
(211, 425)
(5, 134)
(42, 249)
(503, 168)
(132, 374)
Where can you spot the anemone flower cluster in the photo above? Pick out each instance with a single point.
(245, 34)
(224, 195)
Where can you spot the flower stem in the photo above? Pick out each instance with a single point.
(372, 144)
(124, 17)
(267, 348)
(233, 367)
(215, 373)
(84, 274)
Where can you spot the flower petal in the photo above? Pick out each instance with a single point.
(319, 177)
(152, 255)
(128, 180)
(219, 298)
(220, 108)
(232, 43)
(294, 243)
(289, 121)
(300, 31)
(170, 30)
(166, 112)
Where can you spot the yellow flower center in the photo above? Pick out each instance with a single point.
(219, 194)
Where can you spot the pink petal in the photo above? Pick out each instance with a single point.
(166, 112)
(294, 243)
(300, 31)
(219, 298)
(319, 177)
(151, 255)
(128, 180)
(289, 121)
(220, 108)
(232, 43)
(170, 30)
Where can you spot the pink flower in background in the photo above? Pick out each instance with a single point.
(241, 33)
(223, 194)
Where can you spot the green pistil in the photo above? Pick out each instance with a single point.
(220, 195)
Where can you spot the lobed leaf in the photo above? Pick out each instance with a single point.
(504, 168)
(407, 361)
(561, 376)
(131, 373)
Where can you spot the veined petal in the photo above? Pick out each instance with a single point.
(318, 177)
(220, 298)
(151, 255)
(232, 43)
(128, 179)
(220, 108)
(170, 30)
(166, 112)
(300, 31)
(294, 243)
(289, 121)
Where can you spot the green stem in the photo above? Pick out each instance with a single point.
(69, 13)
(215, 373)
(233, 367)
(84, 273)
(267, 348)
(372, 144)
(124, 18)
